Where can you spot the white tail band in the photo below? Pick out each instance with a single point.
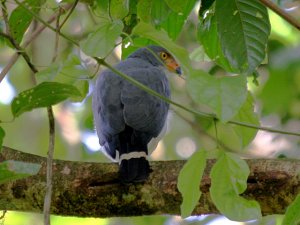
(132, 155)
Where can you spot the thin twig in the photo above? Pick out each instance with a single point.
(3, 214)
(48, 195)
(216, 132)
(69, 14)
(56, 38)
(49, 185)
(200, 131)
(47, 201)
(90, 14)
(32, 36)
(5, 17)
(20, 51)
(286, 16)
(45, 23)
(9, 37)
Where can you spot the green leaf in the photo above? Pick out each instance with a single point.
(244, 33)
(226, 135)
(71, 72)
(207, 35)
(176, 5)
(2, 134)
(283, 84)
(247, 115)
(199, 55)
(11, 170)
(102, 41)
(160, 15)
(236, 137)
(224, 95)
(143, 11)
(161, 37)
(292, 215)
(119, 8)
(154, 12)
(43, 95)
(228, 180)
(159, 12)
(130, 46)
(175, 21)
(20, 19)
(189, 182)
(48, 74)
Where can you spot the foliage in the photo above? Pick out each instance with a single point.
(292, 213)
(229, 180)
(42, 95)
(232, 35)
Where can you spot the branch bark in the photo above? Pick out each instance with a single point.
(87, 189)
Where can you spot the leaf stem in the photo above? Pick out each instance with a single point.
(243, 124)
(281, 13)
(197, 113)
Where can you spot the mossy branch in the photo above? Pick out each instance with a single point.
(88, 189)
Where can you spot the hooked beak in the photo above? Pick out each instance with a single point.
(173, 66)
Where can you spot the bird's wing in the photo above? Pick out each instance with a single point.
(117, 103)
(142, 111)
(108, 110)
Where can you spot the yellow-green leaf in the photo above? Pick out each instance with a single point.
(189, 182)
(229, 180)
(102, 41)
(224, 95)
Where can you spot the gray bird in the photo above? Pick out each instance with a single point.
(128, 118)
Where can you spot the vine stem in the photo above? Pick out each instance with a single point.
(197, 113)
(286, 16)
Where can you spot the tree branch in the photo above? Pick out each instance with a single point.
(287, 17)
(88, 189)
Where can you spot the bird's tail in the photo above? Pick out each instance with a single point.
(134, 167)
(133, 162)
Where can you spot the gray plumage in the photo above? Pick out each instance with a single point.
(119, 105)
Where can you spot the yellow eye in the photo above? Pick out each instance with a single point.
(163, 55)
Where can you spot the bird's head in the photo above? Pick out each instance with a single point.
(158, 56)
